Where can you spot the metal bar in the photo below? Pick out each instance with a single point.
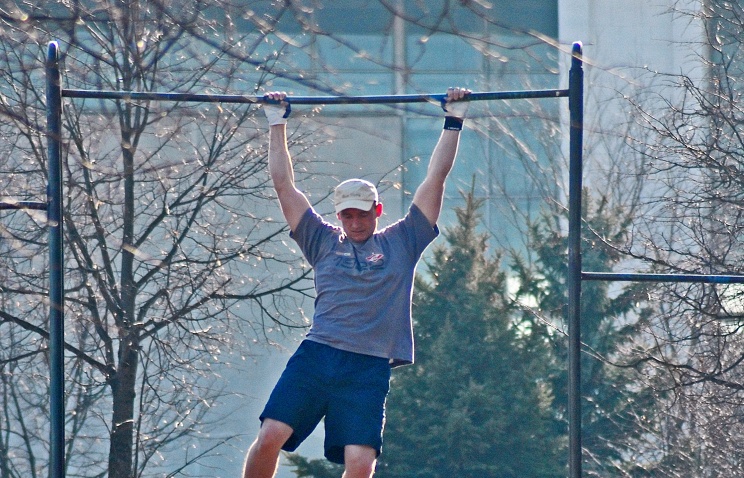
(308, 100)
(703, 278)
(576, 109)
(56, 276)
(41, 206)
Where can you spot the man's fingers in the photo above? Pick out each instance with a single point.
(456, 93)
(276, 95)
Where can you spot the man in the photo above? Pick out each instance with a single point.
(362, 320)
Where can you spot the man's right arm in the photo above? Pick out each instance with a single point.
(293, 202)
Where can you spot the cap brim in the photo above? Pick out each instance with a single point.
(355, 204)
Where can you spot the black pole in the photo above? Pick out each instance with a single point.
(10, 205)
(308, 100)
(576, 108)
(628, 277)
(56, 278)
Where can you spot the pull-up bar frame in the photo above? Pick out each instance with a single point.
(55, 93)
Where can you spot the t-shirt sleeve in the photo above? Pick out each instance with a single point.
(417, 231)
(312, 235)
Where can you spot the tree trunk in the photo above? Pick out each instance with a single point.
(122, 430)
(123, 385)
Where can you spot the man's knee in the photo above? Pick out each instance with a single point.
(359, 461)
(263, 456)
(273, 434)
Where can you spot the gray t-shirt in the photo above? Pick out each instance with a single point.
(363, 290)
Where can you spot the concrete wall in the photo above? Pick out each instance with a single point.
(628, 48)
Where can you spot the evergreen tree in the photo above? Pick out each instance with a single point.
(617, 407)
(313, 468)
(487, 394)
(476, 402)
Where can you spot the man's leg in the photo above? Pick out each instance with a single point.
(263, 456)
(359, 461)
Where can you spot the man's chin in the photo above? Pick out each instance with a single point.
(358, 238)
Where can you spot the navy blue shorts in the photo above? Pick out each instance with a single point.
(346, 388)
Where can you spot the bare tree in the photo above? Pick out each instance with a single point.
(690, 221)
(167, 255)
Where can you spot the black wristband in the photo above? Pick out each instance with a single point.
(452, 123)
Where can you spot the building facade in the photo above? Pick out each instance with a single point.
(514, 156)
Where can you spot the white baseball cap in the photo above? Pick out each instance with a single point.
(355, 193)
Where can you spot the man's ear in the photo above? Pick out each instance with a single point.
(378, 209)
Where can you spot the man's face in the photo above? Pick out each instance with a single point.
(359, 225)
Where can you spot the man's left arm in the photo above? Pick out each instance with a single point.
(430, 194)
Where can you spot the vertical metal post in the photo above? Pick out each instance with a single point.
(56, 277)
(400, 60)
(576, 108)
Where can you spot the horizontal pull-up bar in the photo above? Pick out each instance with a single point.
(39, 206)
(309, 100)
(709, 279)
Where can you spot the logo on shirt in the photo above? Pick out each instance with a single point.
(377, 257)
